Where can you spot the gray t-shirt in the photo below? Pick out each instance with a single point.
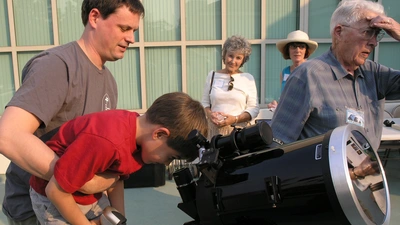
(58, 85)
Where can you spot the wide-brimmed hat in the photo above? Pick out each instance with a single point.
(296, 36)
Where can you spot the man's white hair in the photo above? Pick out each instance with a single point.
(349, 12)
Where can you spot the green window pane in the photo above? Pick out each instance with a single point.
(322, 48)
(320, 17)
(162, 20)
(200, 61)
(23, 58)
(203, 20)
(127, 74)
(33, 23)
(281, 18)
(392, 8)
(70, 25)
(386, 53)
(253, 66)
(274, 64)
(243, 18)
(163, 71)
(7, 87)
(136, 34)
(4, 36)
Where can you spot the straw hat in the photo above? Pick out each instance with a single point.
(296, 36)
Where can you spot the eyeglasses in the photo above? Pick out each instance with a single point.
(230, 84)
(295, 45)
(368, 34)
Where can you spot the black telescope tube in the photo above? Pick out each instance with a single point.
(185, 184)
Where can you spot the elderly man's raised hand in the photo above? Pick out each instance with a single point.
(389, 25)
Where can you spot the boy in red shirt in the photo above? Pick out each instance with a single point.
(114, 141)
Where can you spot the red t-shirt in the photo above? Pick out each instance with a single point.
(91, 144)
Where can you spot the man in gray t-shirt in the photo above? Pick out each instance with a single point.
(75, 91)
(58, 85)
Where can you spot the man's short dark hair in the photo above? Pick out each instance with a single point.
(108, 7)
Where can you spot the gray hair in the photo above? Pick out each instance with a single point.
(237, 44)
(349, 12)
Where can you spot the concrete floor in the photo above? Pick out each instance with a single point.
(152, 206)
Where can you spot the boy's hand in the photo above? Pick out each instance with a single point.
(99, 183)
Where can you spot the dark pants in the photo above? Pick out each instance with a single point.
(30, 221)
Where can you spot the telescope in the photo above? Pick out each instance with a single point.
(249, 177)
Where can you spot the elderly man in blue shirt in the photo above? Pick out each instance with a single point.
(341, 86)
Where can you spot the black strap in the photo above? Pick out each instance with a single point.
(212, 81)
(211, 84)
(47, 136)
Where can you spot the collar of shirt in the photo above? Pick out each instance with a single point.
(338, 70)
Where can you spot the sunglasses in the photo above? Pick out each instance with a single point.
(295, 45)
(230, 84)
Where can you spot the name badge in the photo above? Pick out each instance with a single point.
(354, 116)
(285, 76)
(219, 83)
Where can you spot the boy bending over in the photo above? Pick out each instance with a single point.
(114, 141)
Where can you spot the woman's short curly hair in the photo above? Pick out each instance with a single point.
(237, 43)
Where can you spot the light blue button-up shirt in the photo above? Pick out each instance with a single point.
(319, 92)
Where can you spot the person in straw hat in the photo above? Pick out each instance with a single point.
(297, 47)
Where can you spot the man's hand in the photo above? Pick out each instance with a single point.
(367, 167)
(100, 183)
(391, 26)
(95, 222)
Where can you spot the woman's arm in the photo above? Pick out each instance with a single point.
(208, 111)
(205, 100)
(252, 107)
(243, 117)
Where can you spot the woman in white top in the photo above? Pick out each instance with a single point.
(230, 95)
